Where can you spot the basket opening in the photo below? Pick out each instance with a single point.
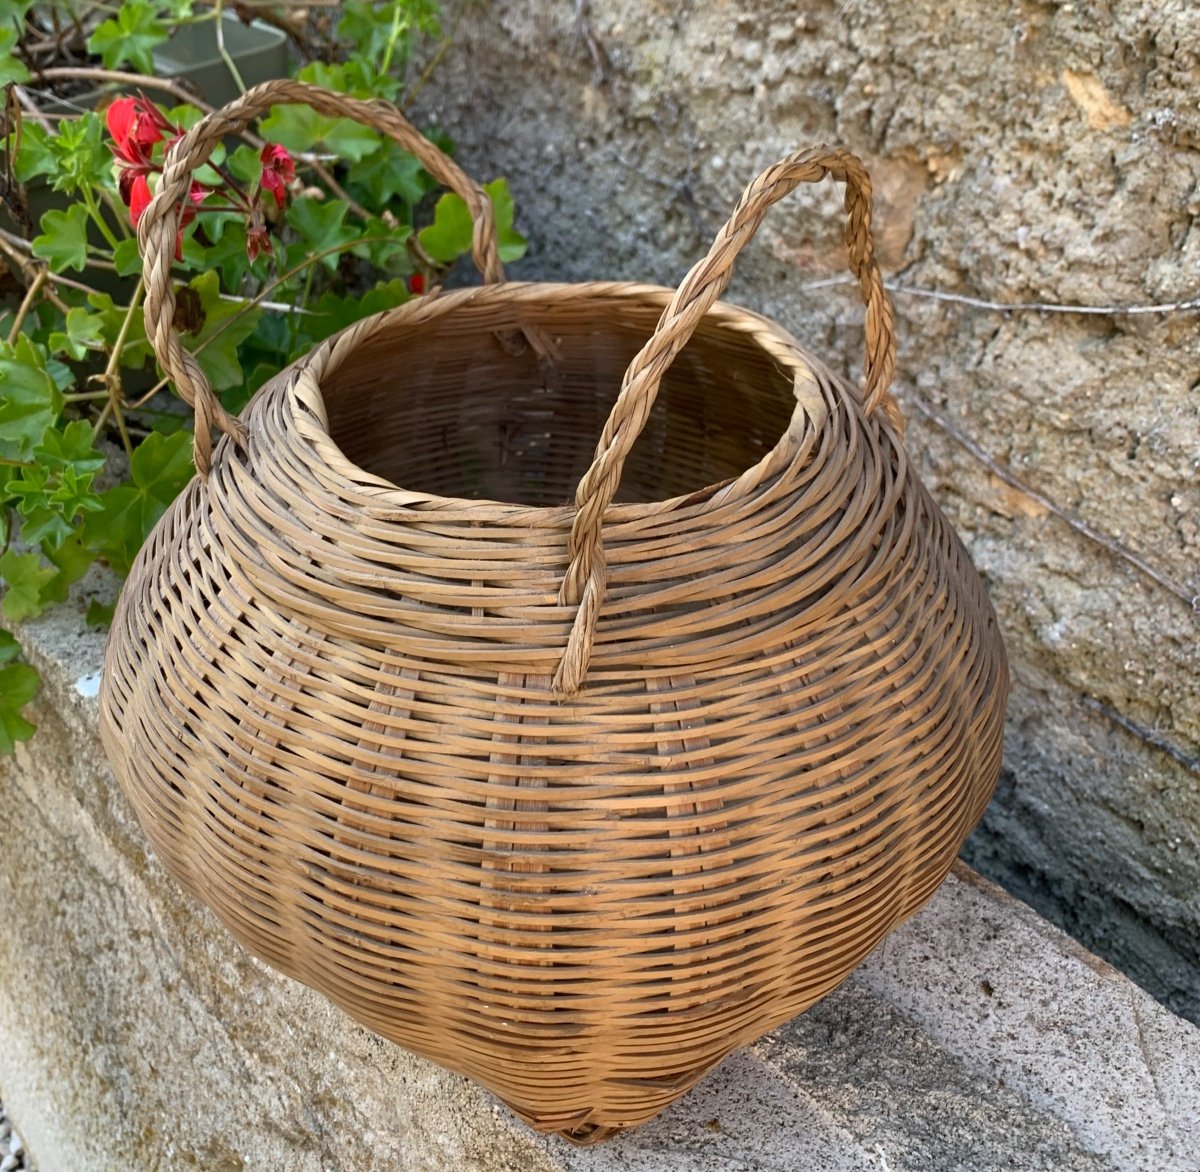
(441, 407)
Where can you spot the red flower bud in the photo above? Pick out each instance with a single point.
(257, 241)
(416, 284)
(278, 170)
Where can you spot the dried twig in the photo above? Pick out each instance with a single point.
(27, 303)
(31, 268)
(1188, 306)
(32, 109)
(120, 77)
(1191, 597)
(1192, 764)
(601, 64)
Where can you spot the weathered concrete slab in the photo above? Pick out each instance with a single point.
(135, 1035)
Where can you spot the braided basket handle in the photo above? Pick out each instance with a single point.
(160, 222)
(585, 582)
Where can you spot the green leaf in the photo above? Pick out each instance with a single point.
(29, 401)
(382, 33)
(388, 174)
(160, 468)
(244, 164)
(129, 38)
(320, 225)
(71, 561)
(10, 649)
(18, 686)
(302, 129)
(72, 447)
(127, 258)
(80, 158)
(136, 349)
(512, 243)
(226, 325)
(85, 331)
(12, 68)
(63, 242)
(385, 247)
(99, 614)
(449, 236)
(25, 575)
(226, 253)
(34, 156)
(334, 313)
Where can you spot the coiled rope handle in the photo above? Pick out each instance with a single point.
(586, 579)
(160, 222)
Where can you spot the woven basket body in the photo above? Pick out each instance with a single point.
(334, 691)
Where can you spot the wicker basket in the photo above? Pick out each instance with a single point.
(570, 767)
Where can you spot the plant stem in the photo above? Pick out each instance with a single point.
(30, 268)
(111, 378)
(294, 332)
(93, 207)
(31, 295)
(119, 213)
(229, 63)
(393, 38)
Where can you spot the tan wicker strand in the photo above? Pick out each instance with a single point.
(160, 222)
(329, 688)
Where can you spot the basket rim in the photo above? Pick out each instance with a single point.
(304, 401)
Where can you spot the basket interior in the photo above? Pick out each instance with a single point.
(441, 407)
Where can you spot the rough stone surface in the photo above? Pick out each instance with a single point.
(134, 1034)
(1026, 150)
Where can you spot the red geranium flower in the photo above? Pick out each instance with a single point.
(416, 284)
(278, 170)
(136, 124)
(139, 196)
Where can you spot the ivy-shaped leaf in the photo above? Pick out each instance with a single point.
(29, 401)
(80, 158)
(388, 174)
(25, 577)
(84, 332)
(72, 447)
(34, 157)
(127, 258)
(71, 560)
(130, 37)
(226, 324)
(12, 68)
(63, 242)
(301, 128)
(136, 348)
(334, 313)
(320, 226)
(449, 236)
(161, 466)
(18, 686)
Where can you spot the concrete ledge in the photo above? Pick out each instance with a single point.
(136, 1035)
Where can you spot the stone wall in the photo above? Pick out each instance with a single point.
(1023, 151)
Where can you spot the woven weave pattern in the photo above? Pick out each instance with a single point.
(339, 687)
